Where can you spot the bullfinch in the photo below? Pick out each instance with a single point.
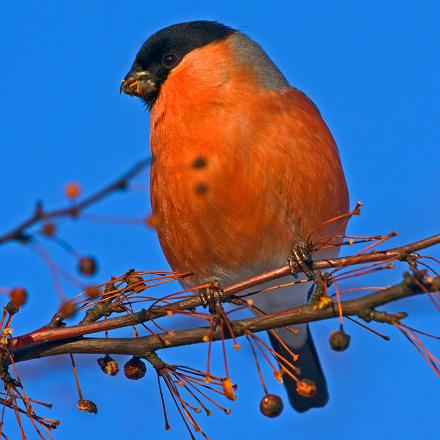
(244, 166)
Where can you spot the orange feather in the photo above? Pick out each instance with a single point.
(272, 172)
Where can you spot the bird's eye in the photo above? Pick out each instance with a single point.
(170, 60)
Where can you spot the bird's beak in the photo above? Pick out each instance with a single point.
(138, 83)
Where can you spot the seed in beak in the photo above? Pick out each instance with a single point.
(131, 86)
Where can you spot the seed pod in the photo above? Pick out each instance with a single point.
(306, 388)
(87, 406)
(18, 296)
(135, 368)
(339, 341)
(87, 266)
(271, 405)
(108, 365)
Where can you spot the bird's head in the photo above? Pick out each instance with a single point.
(165, 50)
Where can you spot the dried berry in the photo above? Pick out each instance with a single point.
(72, 190)
(306, 388)
(135, 368)
(135, 282)
(48, 229)
(87, 266)
(271, 405)
(108, 365)
(67, 310)
(87, 406)
(152, 221)
(11, 308)
(228, 389)
(18, 296)
(92, 292)
(339, 340)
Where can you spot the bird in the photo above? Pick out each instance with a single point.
(244, 167)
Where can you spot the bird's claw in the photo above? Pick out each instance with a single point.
(300, 260)
(211, 296)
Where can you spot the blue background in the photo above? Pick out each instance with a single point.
(372, 69)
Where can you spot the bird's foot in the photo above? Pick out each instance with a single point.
(300, 260)
(212, 296)
(318, 295)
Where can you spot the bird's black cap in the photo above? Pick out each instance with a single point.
(180, 38)
(166, 48)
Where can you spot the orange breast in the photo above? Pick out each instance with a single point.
(239, 171)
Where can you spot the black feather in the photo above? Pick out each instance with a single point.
(178, 39)
(310, 366)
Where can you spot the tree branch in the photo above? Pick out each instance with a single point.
(45, 334)
(73, 210)
(142, 346)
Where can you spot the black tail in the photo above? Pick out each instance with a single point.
(310, 366)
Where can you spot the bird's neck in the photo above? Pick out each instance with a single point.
(208, 78)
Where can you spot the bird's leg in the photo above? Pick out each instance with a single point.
(318, 295)
(300, 260)
(212, 296)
